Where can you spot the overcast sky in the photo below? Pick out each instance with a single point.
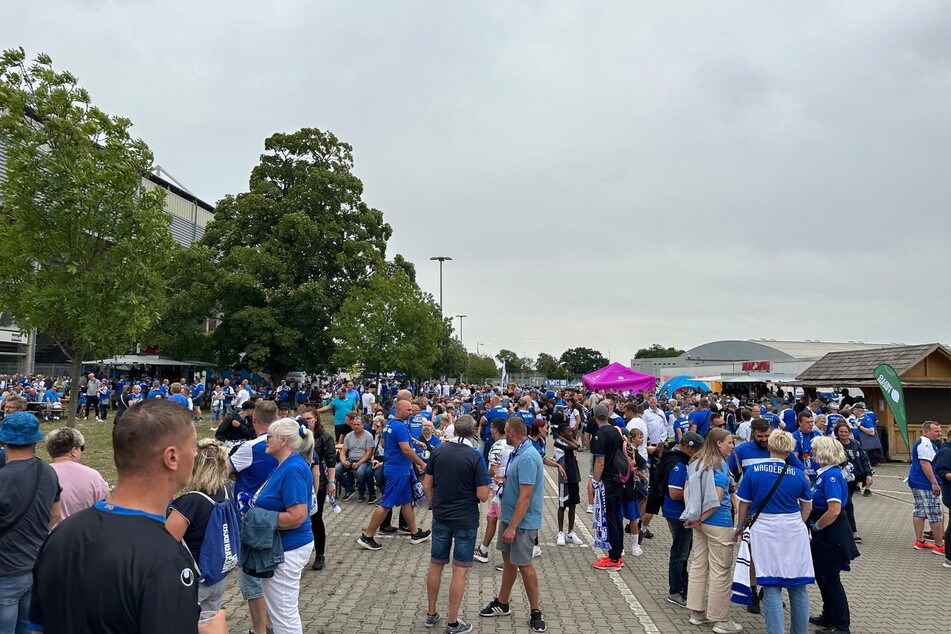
(604, 174)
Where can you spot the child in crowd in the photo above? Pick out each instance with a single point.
(569, 478)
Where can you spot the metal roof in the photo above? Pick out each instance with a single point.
(858, 366)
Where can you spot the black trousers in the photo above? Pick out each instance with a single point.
(612, 514)
(92, 403)
(835, 605)
(317, 523)
(849, 507)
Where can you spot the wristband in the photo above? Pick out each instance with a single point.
(332, 482)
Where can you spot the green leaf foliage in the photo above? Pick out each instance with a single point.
(550, 367)
(480, 367)
(82, 241)
(291, 250)
(582, 360)
(657, 351)
(390, 325)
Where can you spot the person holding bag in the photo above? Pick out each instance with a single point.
(832, 544)
(709, 513)
(781, 499)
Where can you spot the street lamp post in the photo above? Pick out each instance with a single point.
(461, 317)
(440, 259)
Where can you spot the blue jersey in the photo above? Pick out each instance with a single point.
(253, 466)
(618, 421)
(683, 424)
(923, 449)
(701, 419)
(415, 426)
(831, 421)
(528, 417)
(289, 484)
(749, 453)
(867, 420)
(723, 516)
(803, 451)
(789, 419)
(396, 463)
(490, 415)
(672, 509)
(178, 398)
(228, 392)
(830, 486)
(50, 397)
(759, 479)
(774, 420)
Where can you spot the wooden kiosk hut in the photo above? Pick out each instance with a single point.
(925, 373)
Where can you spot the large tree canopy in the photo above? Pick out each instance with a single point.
(481, 367)
(582, 360)
(550, 367)
(657, 351)
(291, 250)
(82, 242)
(390, 325)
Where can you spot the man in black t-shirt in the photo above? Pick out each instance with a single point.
(607, 447)
(113, 568)
(455, 484)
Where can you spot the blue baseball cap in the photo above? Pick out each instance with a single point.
(20, 428)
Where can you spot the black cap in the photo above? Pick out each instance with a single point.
(247, 405)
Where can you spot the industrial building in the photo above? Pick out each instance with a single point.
(744, 360)
(189, 216)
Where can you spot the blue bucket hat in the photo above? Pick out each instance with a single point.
(20, 428)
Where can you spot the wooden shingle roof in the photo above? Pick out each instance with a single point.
(858, 366)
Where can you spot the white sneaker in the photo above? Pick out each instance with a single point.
(590, 509)
(536, 552)
(574, 539)
(481, 554)
(727, 627)
(560, 541)
(636, 550)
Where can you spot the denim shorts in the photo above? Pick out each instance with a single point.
(251, 587)
(443, 538)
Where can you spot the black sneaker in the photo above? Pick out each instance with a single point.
(403, 529)
(318, 563)
(347, 496)
(867, 493)
(536, 621)
(495, 608)
(389, 530)
(647, 533)
(420, 536)
(368, 542)
(372, 500)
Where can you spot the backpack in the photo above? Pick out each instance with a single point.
(218, 555)
(621, 466)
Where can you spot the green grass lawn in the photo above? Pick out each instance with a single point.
(98, 454)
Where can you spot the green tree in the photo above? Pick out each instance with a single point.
(657, 351)
(480, 366)
(390, 325)
(582, 360)
(550, 367)
(82, 243)
(291, 250)
(452, 355)
(513, 363)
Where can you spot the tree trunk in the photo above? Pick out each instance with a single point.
(74, 387)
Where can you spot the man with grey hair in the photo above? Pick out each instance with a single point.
(455, 483)
(92, 396)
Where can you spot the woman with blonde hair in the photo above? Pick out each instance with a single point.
(288, 491)
(189, 513)
(709, 512)
(832, 544)
(780, 498)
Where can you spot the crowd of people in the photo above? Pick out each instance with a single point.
(757, 495)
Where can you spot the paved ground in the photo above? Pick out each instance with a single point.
(363, 591)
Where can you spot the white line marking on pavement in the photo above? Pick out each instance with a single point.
(645, 620)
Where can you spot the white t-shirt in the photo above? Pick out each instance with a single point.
(240, 397)
(369, 400)
(499, 455)
(743, 431)
(638, 423)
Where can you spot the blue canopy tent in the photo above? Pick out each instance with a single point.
(680, 382)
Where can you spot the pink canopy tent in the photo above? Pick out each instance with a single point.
(618, 377)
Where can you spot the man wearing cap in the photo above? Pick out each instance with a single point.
(237, 427)
(666, 494)
(29, 506)
(865, 427)
(605, 447)
(832, 418)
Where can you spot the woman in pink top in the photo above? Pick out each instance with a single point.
(82, 486)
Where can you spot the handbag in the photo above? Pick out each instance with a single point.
(751, 520)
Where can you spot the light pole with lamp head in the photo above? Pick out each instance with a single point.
(440, 259)
(461, 317)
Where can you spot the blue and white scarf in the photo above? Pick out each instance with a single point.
(599, 519)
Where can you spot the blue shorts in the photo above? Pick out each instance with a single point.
(443, 538)
(630, 510)
(251, 587)
(397, 491)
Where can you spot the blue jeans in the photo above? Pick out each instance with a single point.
(443, 538)
(679, 554)
(15, 603)
(364, 478)
(798, 609)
